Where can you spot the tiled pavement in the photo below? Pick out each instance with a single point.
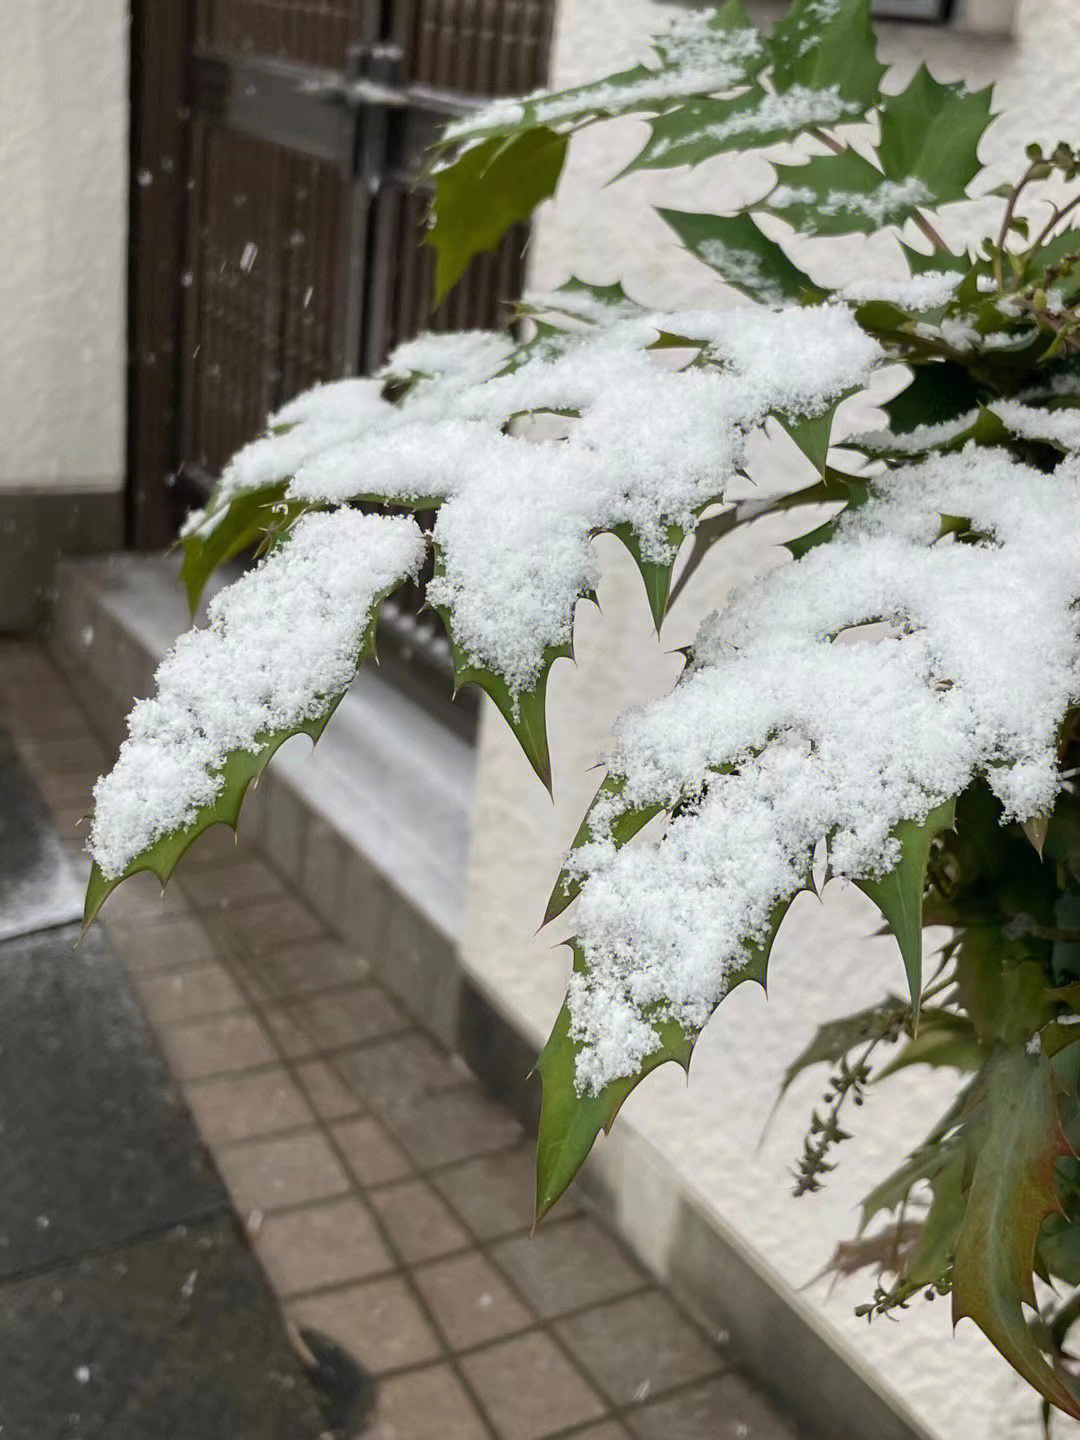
(388, 1199)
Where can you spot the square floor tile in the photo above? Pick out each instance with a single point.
(470, 1300)
(379, 1323)
(529, 1388)
(168, 944)
(173, 996)
(419, 1223)
(297, 970)
(398, 1072)
(326, 1091)
(289, 1170)
(236, 880)
(244, 1106)
(248, 931)
(341, 1018)
(567, 1266)
(321, 1245)
(639, 1347)
(221, 1045)
(369, 1152)
(451, 1125)
(723, 1409)
(495, 1195)
(425, 1404)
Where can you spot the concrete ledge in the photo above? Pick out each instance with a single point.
(389, 878)
(38, 527)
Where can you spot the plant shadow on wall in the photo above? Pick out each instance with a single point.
(902, 694)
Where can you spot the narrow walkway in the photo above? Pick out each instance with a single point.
(131, 1305)
(388, 1198)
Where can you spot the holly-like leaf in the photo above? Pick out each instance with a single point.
(719, 52)
(932, 1256)
(1017, 1139)
(486, 189)
(944, 1039)
(811, 433)
(742, 255)
(656, 574)
(250, 517)
(842, 194)
(755, 120)
(836, 1038)
(240, 768)
(899, 893)
(817, 47)
(239, 771)
(570, 1120)
(623, 827)
(937, 392)
(931, 132)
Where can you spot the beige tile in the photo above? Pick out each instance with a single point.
(167, 944)
(567, 1266)
(723, 1409)
(530, 1389)
(222, 1045)
(321, 1245)
(228, 883)
(248, 931)
(495, 1195)
(470, 1300)
(370, 1153)
(439, 1128)
(425, 1404)
(266, 1175)
(379, 1323)
(640, 1346)
(171, 997)
(327, 1092)
(341, 1018)
(420, 1225)
(246, 1106)
(298, 970)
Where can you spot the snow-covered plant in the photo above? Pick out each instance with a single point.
(897, 706)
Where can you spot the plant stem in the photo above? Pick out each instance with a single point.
(1054, 220)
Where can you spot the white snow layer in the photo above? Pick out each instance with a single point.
(281, 643)
(640, 443)
(830, 734)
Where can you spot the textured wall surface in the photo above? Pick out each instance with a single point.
(707, 1134)
(63, 233)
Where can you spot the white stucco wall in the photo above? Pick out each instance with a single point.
(63, 236)
(707, 1134)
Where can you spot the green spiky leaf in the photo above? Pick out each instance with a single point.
(656, 574)
(623, 827)
(485, 190)
(742, 255)
(899, 893)
(818, 53)
(841, 195)
(811, 433)
(250, 517)
(571, 1121)
(1017, 1140)
(836, 1038)
(239, 771)
(931, 132)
